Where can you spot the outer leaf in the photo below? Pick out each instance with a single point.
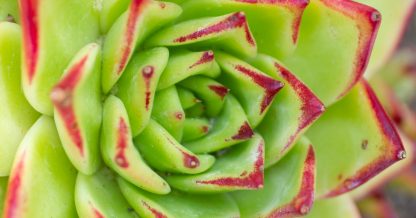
(274, 23)
(42, 179)
(395, 17)
(288, 189)
(98, 196)
(16, 114)
(342, 206)
(177, 204)
(354, 141)
(9, 10)
(327, 26)
(292, 112)
(141, 19)
(52, 34)
(119, 152)
(110, 11)
(78, 109)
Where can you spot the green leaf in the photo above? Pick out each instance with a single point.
(42, 180)
(78, 110)
(110, 11)
(119, 153)
(195, 128)
(177, 204)
(335, 41)
(354, 141)
(53, 31)
(98, 196)
(288, 186)
(16, 114)
(3, 190)
(342, 206)
(9, 8)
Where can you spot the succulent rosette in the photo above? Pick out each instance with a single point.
(197, 108)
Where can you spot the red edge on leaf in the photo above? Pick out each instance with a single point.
(394, 148)
(368, 21)
(221, 91)
(156, 213)
(135, 10)
(147, 74)
(311, 106)
(245, 132)
(252, 180)
(302, 202)
(96, 212)
(14, 192)
(30, 28)
(122, 143)
(295, 6)
(206, 57)
(189, 161)
(236, 20)
(62, 98)
(270, 85)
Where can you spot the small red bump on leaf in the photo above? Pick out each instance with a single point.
(179, 115)
(62, 98)
(207, 56)
(122, 142)
(236, 20)
(13, 197)
(147, 73)
(156, 213)
(302, 202)
(189, 161)
(270, 85)
(205, 129)
(221, 91)
(30, 28)
(245, 132)
(253, 180)
(135, 10)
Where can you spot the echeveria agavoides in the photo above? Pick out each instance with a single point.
(188, 108)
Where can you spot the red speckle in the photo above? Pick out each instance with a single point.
(302, 202)
(179, 115)
(205, 129)
(30, 28)
(147, 73)
(63, 100)
(236, 20)
(189, 161)
(364, 144)
(367, 21)
(122, 143)
(270, 85)
(162, 5)
(311, 106)
(155, 212)
(295, 6)
(253, 180)
(221, 91)
(392, 153)
(207, 56)
(245, 132)
(136, 7)
(13, 197)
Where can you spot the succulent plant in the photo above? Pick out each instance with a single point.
(188, 108)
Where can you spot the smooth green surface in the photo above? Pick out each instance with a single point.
(9, 7)
(342, 206)
(110, 11)
(3, 190)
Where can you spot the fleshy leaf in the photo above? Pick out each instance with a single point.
(354, 141)
(99, 196)
(110, 11)
(119, 153)
(42, 180)
(3, 190)
(342, 206)
(342, 27)
(239, 169)
(141, 19)
(229, 32)
(177, 204)
(53, 31)
(78, 110)
(9, 10)
(137, 86)
(195, 128)
(171, 155)
(230, 128)
(295, 108)
(275, 24)
(188, 99)
(288, 187)
(182, 65)
(254, 89)
(16, 114)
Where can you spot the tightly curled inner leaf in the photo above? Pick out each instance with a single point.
(180, 100)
